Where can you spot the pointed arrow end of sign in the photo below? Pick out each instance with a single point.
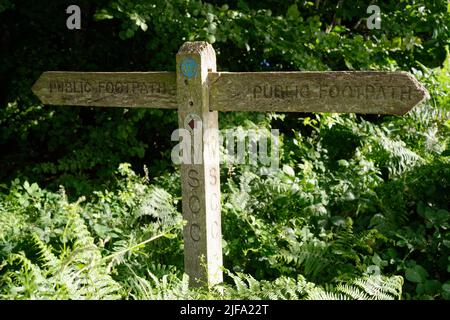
(425, 95)
(421, 94)
(34, 89)
(37, 87)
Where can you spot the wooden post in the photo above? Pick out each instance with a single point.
(200, 177)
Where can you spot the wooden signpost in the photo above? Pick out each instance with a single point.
(198, 92)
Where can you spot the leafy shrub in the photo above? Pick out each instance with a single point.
(52, 248)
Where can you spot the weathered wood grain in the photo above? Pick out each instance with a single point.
(353, 91)
(200, 177)
(108, 89)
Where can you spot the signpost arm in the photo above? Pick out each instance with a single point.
(200, 176)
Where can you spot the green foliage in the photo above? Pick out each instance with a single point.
(373, 287)
(54, 249)
(282, 288)
(5, 5)
(61, 263)
(80, 148)
(246, 287)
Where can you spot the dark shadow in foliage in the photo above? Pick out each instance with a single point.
(77, 147)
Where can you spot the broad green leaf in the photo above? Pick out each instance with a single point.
(416, 274)
(288, 170)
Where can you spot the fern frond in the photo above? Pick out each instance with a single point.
(46, 254)
(353, 292)
(382, 288)
(373, 287)
(240, 285)
(320, 294)
(311, 257)
(158, 203)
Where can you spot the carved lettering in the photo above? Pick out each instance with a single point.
(110, 87)
(405, 92)
(280, 91)
(304, 92)
(194, 204)
(213, 176)
(193, 181)
(215, 230)
(331, 91)
(276, 91)
(194, 231)
(369, 91)
(322, 91)
(68, 87)
(347, 92)
(214, 201)
(381, 93)
(256, 92)
(361, 94)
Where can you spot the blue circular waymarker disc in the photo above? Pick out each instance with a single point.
(189, 68)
